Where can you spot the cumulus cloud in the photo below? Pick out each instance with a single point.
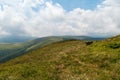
(40, 18)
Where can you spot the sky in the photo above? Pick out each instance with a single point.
(72, 4)
(39, 18)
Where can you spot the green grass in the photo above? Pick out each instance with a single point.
(67, 60)
(11, 50)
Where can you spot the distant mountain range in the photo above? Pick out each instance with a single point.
(14, 39)
(11, 49)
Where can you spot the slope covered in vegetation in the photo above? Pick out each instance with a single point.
(67, 60)
(11, 50)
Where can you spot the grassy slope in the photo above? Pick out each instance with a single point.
(10, 51)
(67, 60)
(10, 48)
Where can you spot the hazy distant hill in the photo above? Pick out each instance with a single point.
(14, 39)
(67, 60)
(12, 50)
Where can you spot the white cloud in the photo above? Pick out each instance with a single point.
(43, 18)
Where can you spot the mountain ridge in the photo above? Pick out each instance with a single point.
(12, 50)
(67, 60)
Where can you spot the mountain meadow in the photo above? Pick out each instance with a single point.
(61, 58)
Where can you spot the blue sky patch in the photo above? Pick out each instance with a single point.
(72, 4)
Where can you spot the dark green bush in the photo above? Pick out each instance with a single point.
(89, 42)
(114, 45)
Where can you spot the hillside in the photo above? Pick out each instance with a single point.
(67, 60)
(11, 50)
